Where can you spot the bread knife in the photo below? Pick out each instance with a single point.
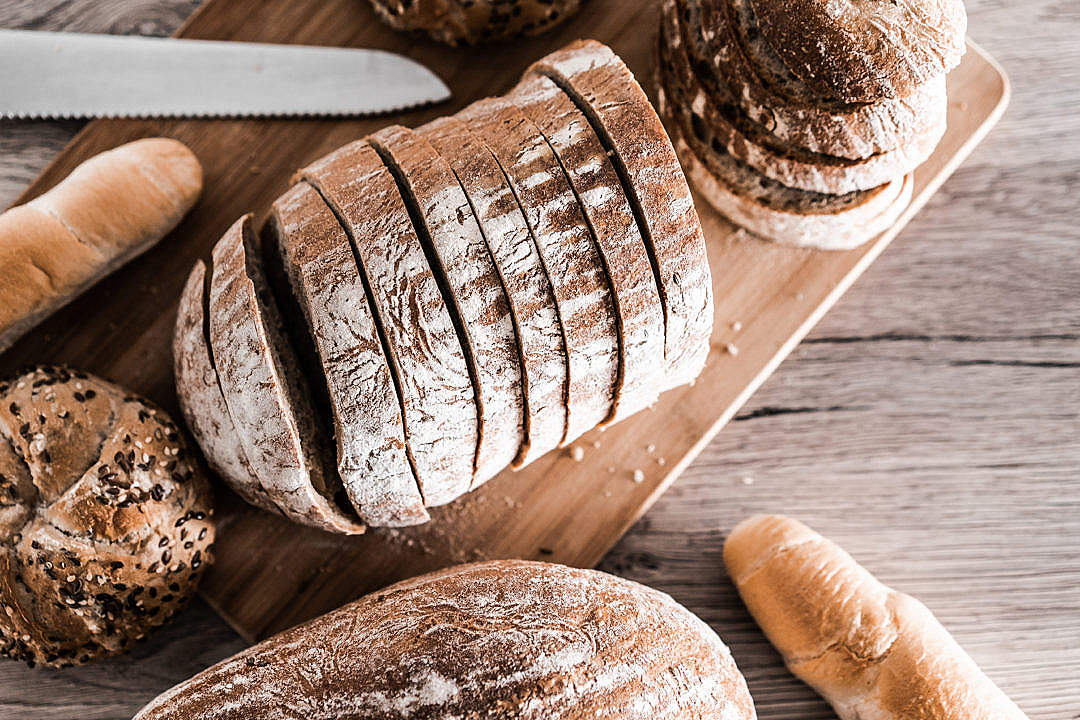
(73, 75)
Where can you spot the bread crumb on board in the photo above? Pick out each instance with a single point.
(732, 349)
(639, 476)
(578, 453)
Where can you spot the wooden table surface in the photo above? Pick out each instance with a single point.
(930, 424)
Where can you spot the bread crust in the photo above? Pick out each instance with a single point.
(848, 130)
(263, 390)
(368, 429)
(541, 347)
(439, 406)
(605, 90)
(108, 525)
(792, 166)
(639, 314)
(469, 22)
(569, 253)
(865, 50)
(499, 640)
(477, 301)
(201, 401)
(869, 650)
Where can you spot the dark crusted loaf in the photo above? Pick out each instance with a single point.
(105, 523)
(468, 22)
(496, 640)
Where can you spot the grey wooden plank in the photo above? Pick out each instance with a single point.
(929, 424)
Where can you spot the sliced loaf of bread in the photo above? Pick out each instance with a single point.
(321, 271)
(425, 354)
(265, 391)
(600, 194)
(541, 347)
(461, 261)
(624, 120)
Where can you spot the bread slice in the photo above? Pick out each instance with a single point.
(470, 283)
(201, 402)
(785, 163)
(318, 262)
(766, 207)
(541, 347)
(821, 125)
(865, 50)
(569, 253)
(424, 353)
(597, 188)
(607, 94)
(264, 390)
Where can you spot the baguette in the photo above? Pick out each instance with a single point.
(107, 211)
(501, 640)
(870, 651)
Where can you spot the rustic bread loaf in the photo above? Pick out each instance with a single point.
(201, 399)
(683, 49)
(821, 125)
(764, 206)
(606, 92)
(541, 347)
(425, 355)
(107, 211)
(865, 50)
(105, 521)
(319, 266)
(456, 250)
(503, 639)
(569, 253)
(870, 651)
(266, 394)
(638, 314)
(468, 22)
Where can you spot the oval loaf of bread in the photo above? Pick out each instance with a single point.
(870, 651)
(495, 640)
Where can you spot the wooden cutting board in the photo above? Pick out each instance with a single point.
(570, 506)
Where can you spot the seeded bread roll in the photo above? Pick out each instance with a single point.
(468, 22)
(105, 523)
(870, 651)
(865, 50)
(499, 640)
(110, 209)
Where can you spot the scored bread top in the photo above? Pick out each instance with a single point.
(541, 346)
(425, 355)
(322, 273)
(201, 401)
(865, 50)
(501, 640)
(824, 126)
(682, 48)
(605, 90)
(569, 253)
(264, 389)
(457, 251)
(595, 184)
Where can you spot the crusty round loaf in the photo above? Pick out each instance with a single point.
(502, 639)
(865, 50)
(105, 523)
(468, 22)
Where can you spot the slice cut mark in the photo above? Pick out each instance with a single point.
(599, 192)
(764, 206)
(541, 347)
(793, 166)
(201, 398)
(605, 91)
(421, 342)
(569, 254)
(469, 280)
(321, 272)
(264, 390)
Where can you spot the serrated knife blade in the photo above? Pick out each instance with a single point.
(73, 75)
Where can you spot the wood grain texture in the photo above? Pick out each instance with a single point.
(929, 424)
